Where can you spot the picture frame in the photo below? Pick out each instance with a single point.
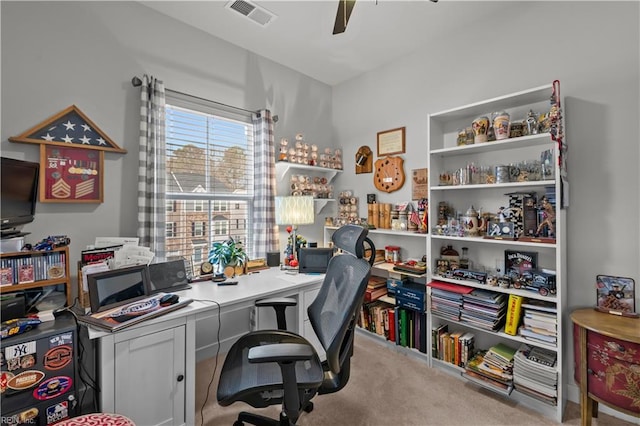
(391, 142)
(500, 230)
(616, 295)
(71, 175)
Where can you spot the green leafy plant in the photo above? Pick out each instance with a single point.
(227, 253)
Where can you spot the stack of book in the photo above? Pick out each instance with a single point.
(446, 299)
(492, 369)
(539, 323)
(484, 309)
(376, 288)
(535, 373)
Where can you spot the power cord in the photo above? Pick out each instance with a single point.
(88, 381)
(215, 366)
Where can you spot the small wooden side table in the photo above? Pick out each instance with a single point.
(607, 362)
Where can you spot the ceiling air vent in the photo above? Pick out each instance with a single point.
(255, 13)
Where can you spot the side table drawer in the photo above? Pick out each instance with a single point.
(613, 370)
(610, 347)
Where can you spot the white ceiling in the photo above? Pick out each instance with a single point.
(301, 36)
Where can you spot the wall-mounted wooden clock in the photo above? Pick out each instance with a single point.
(389, 174)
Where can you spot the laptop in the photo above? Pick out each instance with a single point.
(122, 297)
(168, 276)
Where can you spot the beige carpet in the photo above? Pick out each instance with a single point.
(391, 388)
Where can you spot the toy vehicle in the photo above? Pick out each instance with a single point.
(542, 282)
(16, 326)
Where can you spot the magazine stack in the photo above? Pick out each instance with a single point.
(535, 373)
(484, 309)
(539, 323)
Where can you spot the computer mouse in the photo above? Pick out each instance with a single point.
(169, 299)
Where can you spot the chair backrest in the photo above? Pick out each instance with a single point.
(333, 312)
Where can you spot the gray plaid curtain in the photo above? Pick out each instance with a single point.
(265, 235)
(151, 167)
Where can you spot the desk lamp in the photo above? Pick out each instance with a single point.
(294, 211)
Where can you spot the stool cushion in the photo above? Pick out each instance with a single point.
(101, 419)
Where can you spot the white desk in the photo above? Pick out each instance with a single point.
(147, 371)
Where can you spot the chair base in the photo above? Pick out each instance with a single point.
(259, 420)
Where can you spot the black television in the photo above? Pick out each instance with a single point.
(18, 194)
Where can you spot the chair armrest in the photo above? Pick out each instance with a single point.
(280, 304)
(277, 301)
(281, 352)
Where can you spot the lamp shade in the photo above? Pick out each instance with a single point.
(294, 211)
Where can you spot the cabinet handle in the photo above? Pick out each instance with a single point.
(180, 377)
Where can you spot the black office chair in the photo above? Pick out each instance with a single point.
(269, 367)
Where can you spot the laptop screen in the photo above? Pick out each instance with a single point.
(117, 287)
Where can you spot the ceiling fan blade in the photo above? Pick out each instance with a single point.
(345, 7)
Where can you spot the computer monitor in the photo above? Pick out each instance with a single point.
(168, 276)
(314, 260)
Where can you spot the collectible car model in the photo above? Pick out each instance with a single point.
(542, 282)
(16, 326)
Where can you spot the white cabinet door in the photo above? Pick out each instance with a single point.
(150, 378)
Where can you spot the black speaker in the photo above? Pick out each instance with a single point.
(273, 258)
(13, 306)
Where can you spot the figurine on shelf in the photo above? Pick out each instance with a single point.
(548, 218)
(282, 156)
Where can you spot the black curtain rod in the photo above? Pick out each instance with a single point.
(136, 82)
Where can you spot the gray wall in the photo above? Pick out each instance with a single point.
(593, 49)
(55, 54)
(85, 53)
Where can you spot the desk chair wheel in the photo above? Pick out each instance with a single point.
(309, 407)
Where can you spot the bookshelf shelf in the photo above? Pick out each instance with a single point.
(447, 159)
(524, 293)
(42, 264)
(500, 333)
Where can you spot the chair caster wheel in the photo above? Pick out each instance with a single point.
(309, 407)
(238, 423)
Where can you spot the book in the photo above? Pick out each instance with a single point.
(25, 274)
(6, 276)
(372, 294)
(376, 282)
(542, 356)
(514, 308)
(540, 305)
(391, 315)
(503, 351)
(436, 332)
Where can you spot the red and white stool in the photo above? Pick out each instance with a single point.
(98, 419)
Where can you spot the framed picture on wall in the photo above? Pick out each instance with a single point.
(391, 142)
(71, 175)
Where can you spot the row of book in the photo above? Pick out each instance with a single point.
(535, 373)
(535, 320)
(404, 327)
(455, 347)
(28, 269)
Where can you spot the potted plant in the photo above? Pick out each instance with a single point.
(227, 253)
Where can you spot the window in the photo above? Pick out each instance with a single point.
(209, 176)
(172, 229)
(197, 229)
